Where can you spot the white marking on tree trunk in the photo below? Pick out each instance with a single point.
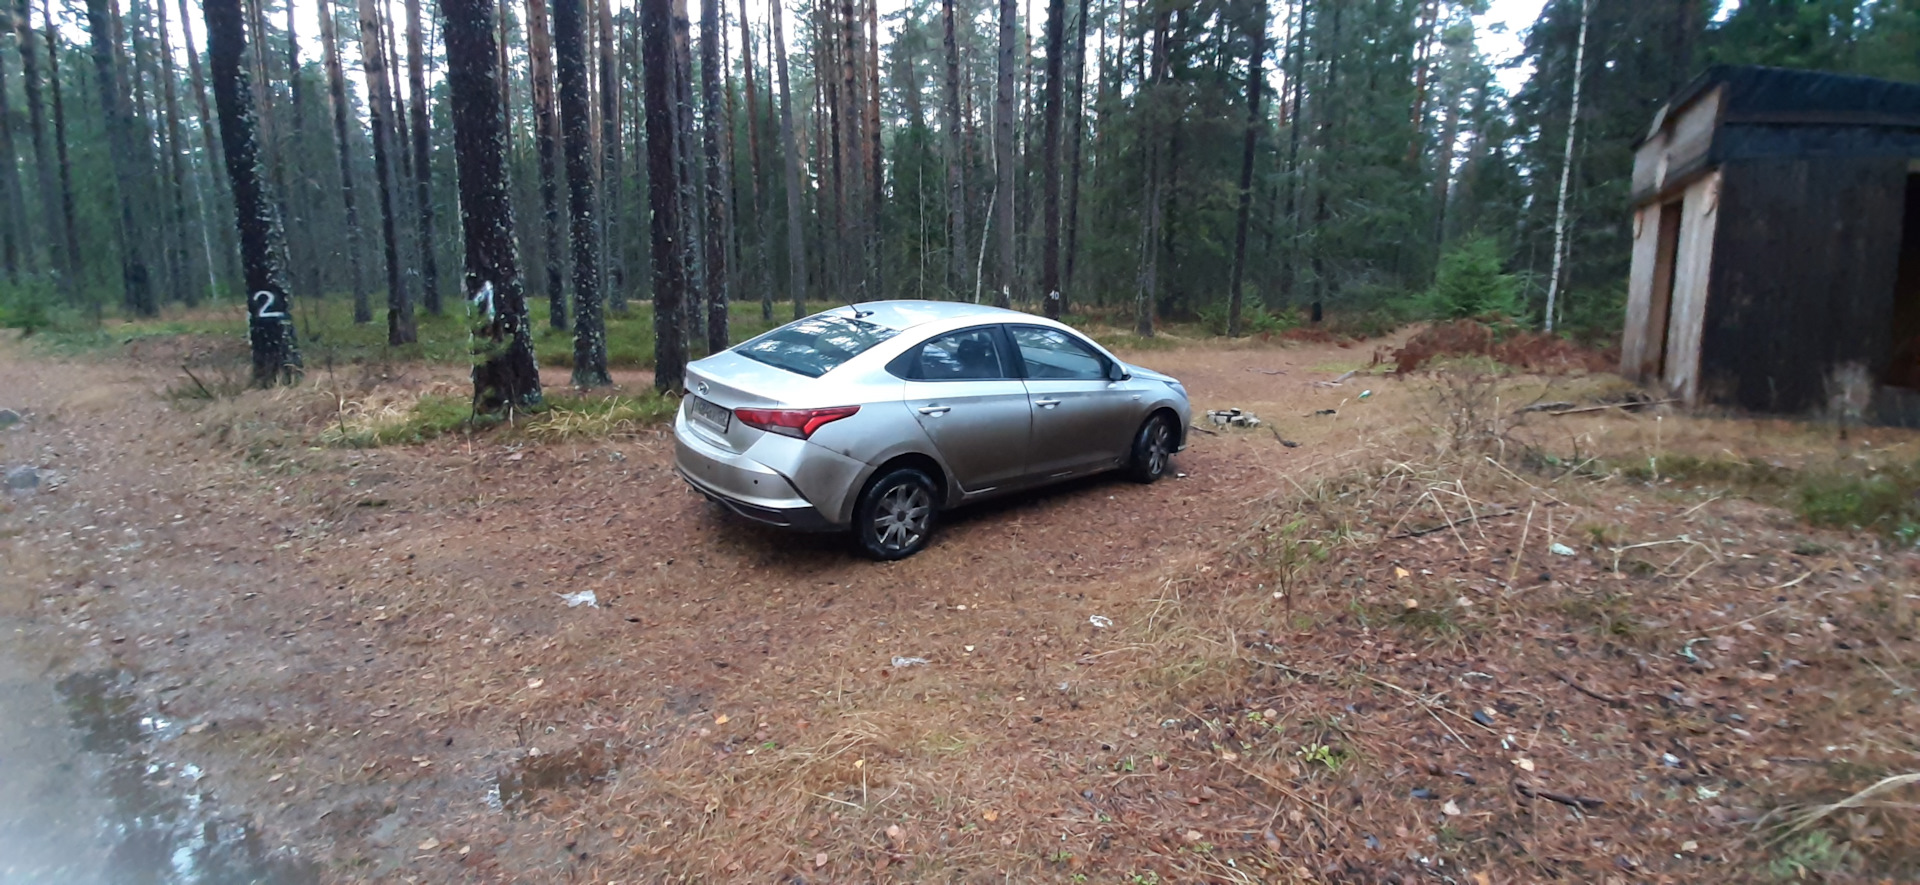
(483, 300)
(268, 305)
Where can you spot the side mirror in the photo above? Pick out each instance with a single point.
(1117, 372)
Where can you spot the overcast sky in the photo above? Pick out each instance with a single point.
(1502, 33)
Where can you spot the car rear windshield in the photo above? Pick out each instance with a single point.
(816, 345)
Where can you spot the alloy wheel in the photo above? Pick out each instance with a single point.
(901, 519)
(1159, 448)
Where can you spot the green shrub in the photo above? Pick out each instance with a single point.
(1594, 316)
(1371, 323)
(1254, 320)
(28, 307)
(1470, 283)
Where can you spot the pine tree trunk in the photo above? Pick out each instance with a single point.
(1427, 22)
(1072, 245)
(12, 198)
(229, 247)
(157, 204)
(730, 160)
(398, 113)
(502, 20)
(876, 175)
(1566, 170)
(849, 111)
(176, 150)
(505, 375)
(37, 134)
(276, 352)
(69, 230)
(694, 316)
(757, 226)
(547, 139)
(305, 261)
(1174, 291)
(400, 322)
(663, 195)
(152, 138)
(576, 118)
(1055, 94)
(337, 101)
(406, 214)
(957, 277)
(829, 173)
(830, 200)
(1151, 99)
(1290, 257)
(205, 215)
(1235, 297)
(1024, 133)
(610, 176)
(1443, 167)
(131, 163)
(423, 161)
(1003, 160)
(267, 131)
(637, 252)
(718, 224)
(796, 249)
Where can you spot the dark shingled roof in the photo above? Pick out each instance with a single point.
(1783, 96)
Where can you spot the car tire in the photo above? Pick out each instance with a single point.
(896, 514)
(1152, 450)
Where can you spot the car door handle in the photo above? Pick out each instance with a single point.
(1046, 403)
(935, 411)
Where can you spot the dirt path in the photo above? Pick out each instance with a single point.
(367, 651)
(281, 662)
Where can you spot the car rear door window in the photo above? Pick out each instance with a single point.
(1053, 355)
(966, 355)
(816, 345)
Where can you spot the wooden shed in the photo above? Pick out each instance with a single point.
(1776, 243)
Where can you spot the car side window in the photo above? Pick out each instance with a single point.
(966, 355)
(1053, 355)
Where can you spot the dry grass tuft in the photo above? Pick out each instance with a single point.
(1504, 343)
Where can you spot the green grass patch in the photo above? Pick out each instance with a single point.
(1724, 470)
(429, 417)
(562, 417)
(1813, 855)
(328, 335)
(1882, 499)
(588, 417)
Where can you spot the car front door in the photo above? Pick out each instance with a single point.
(962, 389)
(1083, 421)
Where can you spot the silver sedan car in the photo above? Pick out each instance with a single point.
(876, 417)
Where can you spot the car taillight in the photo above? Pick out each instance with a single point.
(797, 423)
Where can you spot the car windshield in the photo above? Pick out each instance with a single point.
(816, 345)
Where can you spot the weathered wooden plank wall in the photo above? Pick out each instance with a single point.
(1805, 258)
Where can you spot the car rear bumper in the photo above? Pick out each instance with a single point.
(744, 486)
(799, 519)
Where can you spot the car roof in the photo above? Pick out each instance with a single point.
(908, 313)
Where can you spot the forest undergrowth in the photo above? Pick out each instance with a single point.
(1490, 660)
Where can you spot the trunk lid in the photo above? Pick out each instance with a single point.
(730, 381)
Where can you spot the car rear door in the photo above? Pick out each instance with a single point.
(962, 389)
(1082, 421)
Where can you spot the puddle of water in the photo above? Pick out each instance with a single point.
(155, 824)
(586, 766)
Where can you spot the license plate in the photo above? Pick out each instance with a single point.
(709, 414)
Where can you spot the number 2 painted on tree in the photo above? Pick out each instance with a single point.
(269, 305)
